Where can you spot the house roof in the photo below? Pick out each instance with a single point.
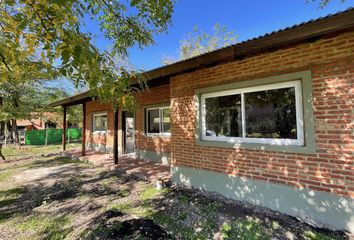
(311, 30)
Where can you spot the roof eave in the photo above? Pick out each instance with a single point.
(308, 31)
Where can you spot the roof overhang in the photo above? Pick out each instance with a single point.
(308, 31)
(73, 100)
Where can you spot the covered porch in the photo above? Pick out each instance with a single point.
(115, 158)
(82, 99)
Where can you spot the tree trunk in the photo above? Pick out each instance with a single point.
(2, 128)
(16, 137)
(1, 155)
(5, 133)
(9, 132)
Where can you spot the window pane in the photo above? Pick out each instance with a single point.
(103, 122)
(153, 121)
(271, 114)
(166, 118)
(96, 123)
(223, 116)
(99, 122)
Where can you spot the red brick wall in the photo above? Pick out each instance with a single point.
(331, 168)
(103, 139)
(154, 95)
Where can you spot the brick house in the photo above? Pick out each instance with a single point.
(268, 121)
(40, 121)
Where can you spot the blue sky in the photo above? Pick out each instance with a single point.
(247, 19)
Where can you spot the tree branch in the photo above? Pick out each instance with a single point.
(5, 63)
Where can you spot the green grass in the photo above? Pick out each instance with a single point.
(246, 229)
(26, 150)
(44, 227)
(105, 231)
(6, 174)
(122, 207)
(151, 192)
(9, 197)
(173, 227)
(310, 235)
(140, 210)
(184, 199)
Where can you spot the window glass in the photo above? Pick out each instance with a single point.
(271, 114)
(158, 120)
(103, 122)
(260, 114)
(99, 122)
(166, 119)
(223, 116)
(153, 118)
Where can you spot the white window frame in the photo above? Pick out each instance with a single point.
(299, 115)
(93, 122)
(162, 132)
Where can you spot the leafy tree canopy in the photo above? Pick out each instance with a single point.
(198, 42)
(54, 32)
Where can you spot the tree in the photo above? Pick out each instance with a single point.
(198, 42)
(25, 94)
(55, 31)
(322, 3)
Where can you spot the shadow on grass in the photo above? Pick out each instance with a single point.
(8, 203)
(151, 214)
(48, 227)
(113, 224)
(61, 187)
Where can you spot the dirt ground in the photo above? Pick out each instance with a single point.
(50, 197)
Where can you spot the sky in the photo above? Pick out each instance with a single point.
(247, 19)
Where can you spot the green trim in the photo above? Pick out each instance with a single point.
(162, 157)
(165, 104)
(308, 117)
(104, 148)
(336, 211)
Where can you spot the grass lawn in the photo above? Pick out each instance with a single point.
(56, 198)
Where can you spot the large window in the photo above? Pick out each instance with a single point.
(263, 114)
(158, 120)
(99, 122)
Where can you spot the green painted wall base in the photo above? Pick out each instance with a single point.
(162, 157)
(99, 147)
(334, 211)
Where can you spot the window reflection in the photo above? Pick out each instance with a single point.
(153, 121)
(223, 116)
(271, 114)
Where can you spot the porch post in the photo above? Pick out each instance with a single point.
(64, 129)
(83, 153)
(115, 140)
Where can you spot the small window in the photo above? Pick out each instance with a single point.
(99, 122)
(263, 114)
(158, 120)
